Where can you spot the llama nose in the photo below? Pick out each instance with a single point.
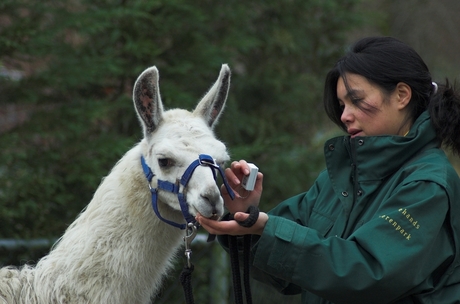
(211, 196)
(212, 199)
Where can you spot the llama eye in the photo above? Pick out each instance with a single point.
(165, 162)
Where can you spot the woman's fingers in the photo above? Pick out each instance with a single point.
(219, 227)
(232, 227)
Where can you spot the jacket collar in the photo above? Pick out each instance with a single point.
(376, 157)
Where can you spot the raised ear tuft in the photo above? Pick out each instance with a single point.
(211, 105)
(147, 100)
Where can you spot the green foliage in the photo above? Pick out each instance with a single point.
(52, 166)
(80, 59)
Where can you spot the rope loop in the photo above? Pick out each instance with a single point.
(252, 219)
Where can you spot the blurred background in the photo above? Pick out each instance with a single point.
(66, 116)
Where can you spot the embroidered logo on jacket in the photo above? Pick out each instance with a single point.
(397, 225)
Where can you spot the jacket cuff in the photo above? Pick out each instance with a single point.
(271, 253)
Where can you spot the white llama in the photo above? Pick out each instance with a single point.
(118, 250)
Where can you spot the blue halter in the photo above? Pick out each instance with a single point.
(203, 160)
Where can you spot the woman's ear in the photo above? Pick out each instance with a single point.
(404, 94)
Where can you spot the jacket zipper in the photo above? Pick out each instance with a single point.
(354, 177)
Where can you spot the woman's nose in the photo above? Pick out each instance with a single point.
(347, 115)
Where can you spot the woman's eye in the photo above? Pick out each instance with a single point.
(165, 162)
(356, 100)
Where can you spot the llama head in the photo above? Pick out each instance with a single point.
(175, 138)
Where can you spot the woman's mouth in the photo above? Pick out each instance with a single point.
(354, 132)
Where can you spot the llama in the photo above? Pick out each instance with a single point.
(118, 250)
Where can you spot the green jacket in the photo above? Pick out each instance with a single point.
(380, 225)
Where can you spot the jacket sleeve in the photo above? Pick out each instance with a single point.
(383, 260)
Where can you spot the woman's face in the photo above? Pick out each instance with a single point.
(368, 111)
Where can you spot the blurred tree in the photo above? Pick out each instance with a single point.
(79, 58)
(429, 26)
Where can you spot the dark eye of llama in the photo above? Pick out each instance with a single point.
(165, 163)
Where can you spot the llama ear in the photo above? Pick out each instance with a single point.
(147, 100)
(211, 105)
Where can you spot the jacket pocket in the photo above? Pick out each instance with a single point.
(320, 221)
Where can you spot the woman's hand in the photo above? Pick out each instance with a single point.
(239, 205)
(232, 227)
(243, 198)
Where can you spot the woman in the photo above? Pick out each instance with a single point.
(382, 223)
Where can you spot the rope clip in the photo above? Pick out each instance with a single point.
(190, 234)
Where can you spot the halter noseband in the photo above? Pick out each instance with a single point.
(203, 160)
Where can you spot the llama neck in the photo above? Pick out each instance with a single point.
(117, 240)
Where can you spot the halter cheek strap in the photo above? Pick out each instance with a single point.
(203, 160)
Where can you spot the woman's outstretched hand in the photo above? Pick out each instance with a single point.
(239, 205)
(232, 227)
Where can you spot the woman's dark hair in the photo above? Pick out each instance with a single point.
(386, 61)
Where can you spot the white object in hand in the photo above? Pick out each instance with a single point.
(250, 180)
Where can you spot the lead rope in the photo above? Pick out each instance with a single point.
(186, 281)
(234, 259)
(186, 274)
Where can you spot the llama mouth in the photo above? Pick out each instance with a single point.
(214, 217)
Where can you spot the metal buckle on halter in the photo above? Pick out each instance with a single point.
(206, 160)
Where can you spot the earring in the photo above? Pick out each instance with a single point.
(435, 87)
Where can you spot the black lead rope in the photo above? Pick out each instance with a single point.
(234, 260)
(186, 274)
(186, 281)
